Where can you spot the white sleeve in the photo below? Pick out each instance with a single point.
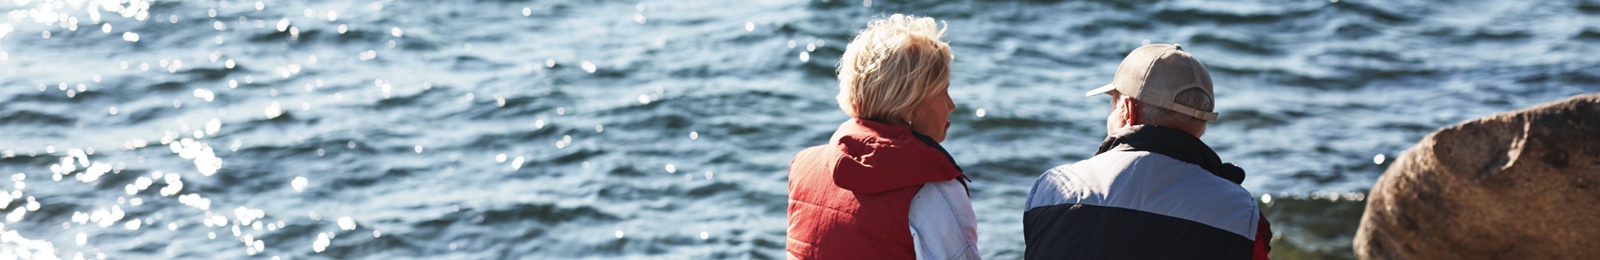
(943, 225)
(916, 242)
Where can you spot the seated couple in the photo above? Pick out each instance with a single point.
(883, 187)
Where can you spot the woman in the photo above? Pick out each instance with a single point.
(883, 188)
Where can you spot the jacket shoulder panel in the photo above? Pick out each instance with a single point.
(1153, 183)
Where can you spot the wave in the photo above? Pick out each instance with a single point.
(31, 117)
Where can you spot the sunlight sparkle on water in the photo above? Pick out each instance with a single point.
(247, 215)
(213, 126)
(194, 200)
(321, 243)
(588, 66)
(1378, 159)
(16, 215)
(299, 183)
(500, 158)
(205, 160)
(174, 184)
(749, 26)
(283, 24)
(139, 184)
(347, 223)
(981, 112)
(130, 36)
(517, 163)
(273, 110)
(205, 94)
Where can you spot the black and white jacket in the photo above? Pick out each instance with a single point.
(1149, 193)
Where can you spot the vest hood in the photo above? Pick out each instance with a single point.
(879, 157)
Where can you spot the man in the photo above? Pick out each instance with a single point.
(1153, 190)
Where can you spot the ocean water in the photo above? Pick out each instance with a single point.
(575, 129)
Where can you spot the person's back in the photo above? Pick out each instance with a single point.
(1153, 190)
(855, 197)
(1133, 202)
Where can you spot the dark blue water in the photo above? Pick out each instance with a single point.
(663, 129)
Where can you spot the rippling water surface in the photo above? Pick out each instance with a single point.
(663, 129)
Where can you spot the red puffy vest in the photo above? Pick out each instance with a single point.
(851, 198)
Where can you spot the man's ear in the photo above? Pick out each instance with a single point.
(1130, 112)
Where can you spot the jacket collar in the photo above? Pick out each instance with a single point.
(962, 175)
(1173, 143)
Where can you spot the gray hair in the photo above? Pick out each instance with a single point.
(1195, 98)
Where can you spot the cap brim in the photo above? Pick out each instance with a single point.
(1100, 90)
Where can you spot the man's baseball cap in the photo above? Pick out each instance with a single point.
(1154, 74)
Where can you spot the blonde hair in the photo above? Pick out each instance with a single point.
(891, 67)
